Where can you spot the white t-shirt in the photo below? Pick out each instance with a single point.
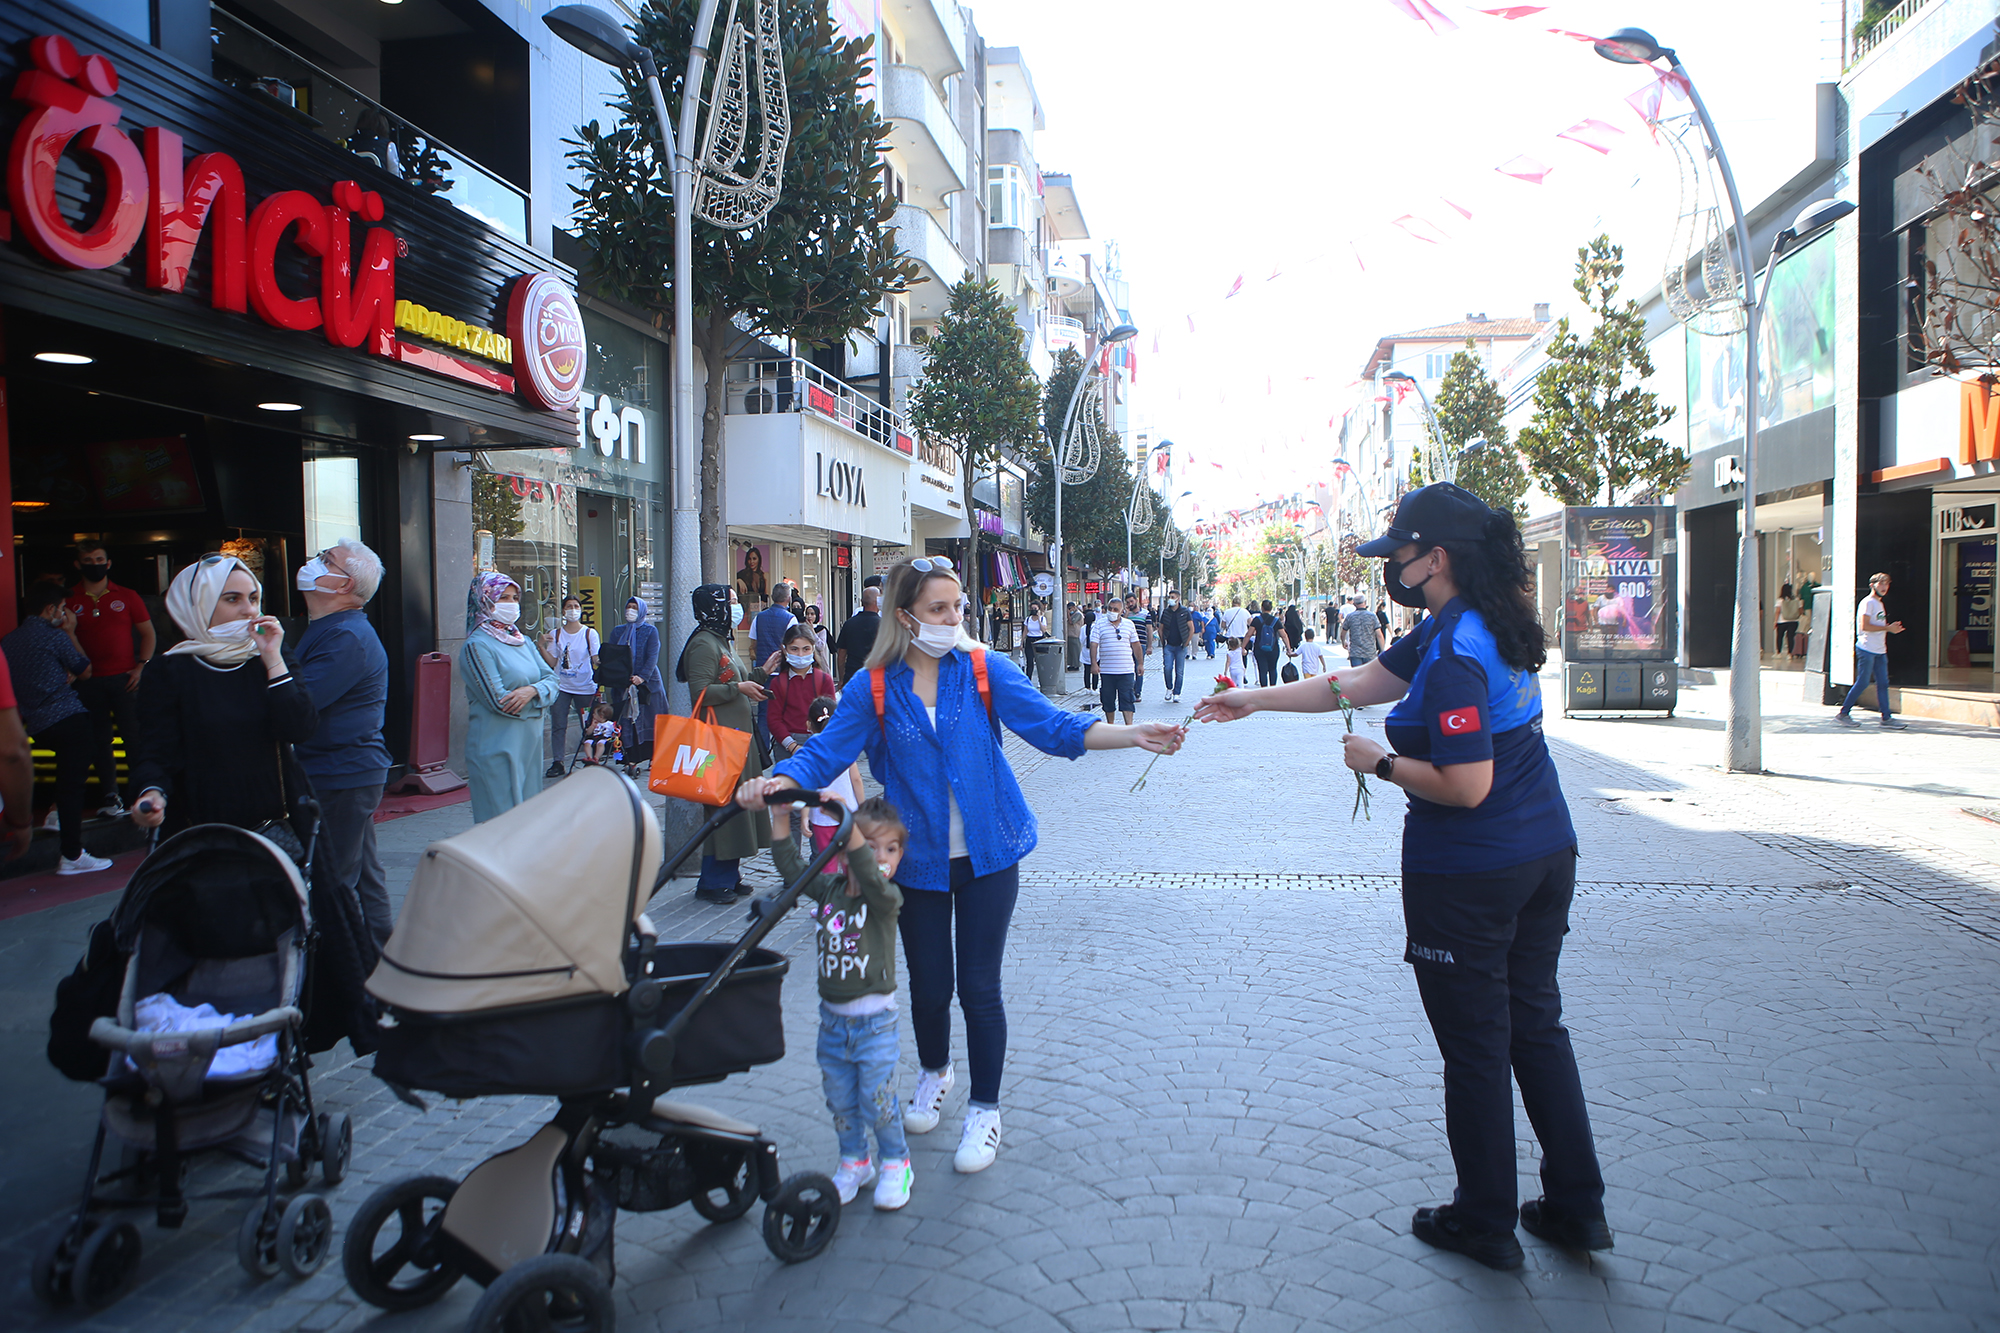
(1875, 641)
(1233, 665)
(1311, 659)
(1235, 623)
(573, 653)
(1112, 645)
(957, 833)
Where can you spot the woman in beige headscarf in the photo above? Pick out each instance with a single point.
(219, 712)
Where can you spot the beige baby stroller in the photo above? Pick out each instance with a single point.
(514, 970)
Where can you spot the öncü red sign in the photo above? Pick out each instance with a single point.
(549, 353)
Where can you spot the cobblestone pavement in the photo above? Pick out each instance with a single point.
(1222, 1100)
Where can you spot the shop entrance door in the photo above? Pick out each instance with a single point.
(604, 557)
(1965, 647)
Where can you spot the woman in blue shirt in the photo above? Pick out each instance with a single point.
(935, 747)
(1489, 863)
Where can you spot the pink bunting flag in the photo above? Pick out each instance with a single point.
(1190, 320)
(1524, 168)
(1597, 135)
(1357, 256)
(1459, 209)
(1646, 101)
(1234, 287)
(1419, 228)
(1424, 12)
(1514, 11)
(1574, 36)
(1156, 342)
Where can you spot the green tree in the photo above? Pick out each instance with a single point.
(1591, 441)
(978, 391)
(814, 271)
(495, 507)
(1470, 406)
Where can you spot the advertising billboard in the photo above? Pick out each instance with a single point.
(1618, 584)
(1794, 354)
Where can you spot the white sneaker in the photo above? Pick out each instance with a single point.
(83, 863)
(852, 1174)
(892, 1191)
(921, 1115)
(980, 1143)
(113, 808)
(54, 820)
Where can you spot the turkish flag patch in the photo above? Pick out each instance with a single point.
(1459, 721)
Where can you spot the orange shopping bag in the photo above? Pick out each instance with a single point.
(696, 760)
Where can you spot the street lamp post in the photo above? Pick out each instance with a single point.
(598, 35)
(1131, 506)
(1745, 754)
(1059, 631)
(1448, 459)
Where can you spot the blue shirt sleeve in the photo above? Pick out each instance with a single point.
(1030, 714)
(1403, 657)
(331, 665)
(1454, 708)
(840, 743)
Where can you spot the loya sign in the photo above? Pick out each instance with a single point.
(157, 200)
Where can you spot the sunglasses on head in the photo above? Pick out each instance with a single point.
(932, 564)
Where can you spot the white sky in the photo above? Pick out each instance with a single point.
(1213, 140)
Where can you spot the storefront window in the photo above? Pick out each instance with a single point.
(333, 501)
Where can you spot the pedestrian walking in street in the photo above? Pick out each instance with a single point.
(822, 640)
(1871, 654)
(857, 636)
(1033, 630)
(1233, 666)
(854, 926)
(1267, 635)
(794, 679)
(509, 688)
(340, 662)
(1177, 632)
(1787, 623)
(116, 632)
(648, 693)
(1089, 655)
(572, 649)
(1295, 629)
(1312, 658)
(767, 636)
(1489, 864)
(17, 774)
(724, 689)
(220, 712)
(1115, 645)
(930, 717)
(1137, 617)
(1361, 634)
(1211, 626)
(1236, 621)
(1333, 612)
(45, 661)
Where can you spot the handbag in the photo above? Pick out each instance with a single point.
(704, 761)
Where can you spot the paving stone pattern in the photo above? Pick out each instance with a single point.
(1223, 1103)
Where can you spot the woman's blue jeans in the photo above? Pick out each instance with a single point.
(857, 1067)
(967, 958)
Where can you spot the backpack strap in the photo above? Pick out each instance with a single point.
(875, 687)
(979, 674)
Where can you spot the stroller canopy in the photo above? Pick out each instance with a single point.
(533, 906)
(218, 891)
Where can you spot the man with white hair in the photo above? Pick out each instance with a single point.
(340, 661)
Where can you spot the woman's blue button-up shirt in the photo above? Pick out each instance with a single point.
(914, 762)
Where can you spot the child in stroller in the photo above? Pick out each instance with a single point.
(601, 741)
(514, 969)
(216, 923)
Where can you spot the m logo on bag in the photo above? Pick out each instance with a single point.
(692, 762)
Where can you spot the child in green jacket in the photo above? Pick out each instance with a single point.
(859, 1047)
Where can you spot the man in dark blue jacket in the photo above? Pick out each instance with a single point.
(339, 660)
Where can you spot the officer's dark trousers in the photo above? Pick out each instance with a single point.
(1485, 948)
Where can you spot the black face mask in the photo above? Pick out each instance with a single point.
(1392, 579)
(96, 573)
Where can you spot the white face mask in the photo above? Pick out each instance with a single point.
(799, 660)
(506, 612)
(230, 629)
(631, 615)
(1116, 613)
(312, 571)
(572, 614)
(937, 640)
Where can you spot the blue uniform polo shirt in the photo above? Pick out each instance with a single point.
(1466, 705)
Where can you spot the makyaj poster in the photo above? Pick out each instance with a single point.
(1618, 594)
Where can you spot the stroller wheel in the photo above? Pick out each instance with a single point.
(801, 1220)
(730, 1198)
(105, 1265)
(336, 1146)
(257, 1241)
(54, 1261)
(305, 1234)
(550, 1291)
(391, 1256)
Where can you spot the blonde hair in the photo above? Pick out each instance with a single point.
(900, 591)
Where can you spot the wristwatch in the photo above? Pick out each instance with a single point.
(1385, 768)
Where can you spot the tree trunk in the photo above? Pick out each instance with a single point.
(971, 570)
(714, 336)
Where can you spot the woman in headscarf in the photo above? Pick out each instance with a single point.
(219, 713)
(650, 691)
(508, 688)
(719, 682)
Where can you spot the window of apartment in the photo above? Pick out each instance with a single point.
(892, 182)
(1435, 363)
(1008, 203)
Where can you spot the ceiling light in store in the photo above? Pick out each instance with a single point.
(31, 504)
(281, 407)
(64, 358)
(427, 439)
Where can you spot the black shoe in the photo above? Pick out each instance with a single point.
(1440, 1227)
(1891, 724)
(723, 896)
(1543, 1219)
(555, 770)
(743, 890)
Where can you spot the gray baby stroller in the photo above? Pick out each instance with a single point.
(515, 970)
(205, 1052)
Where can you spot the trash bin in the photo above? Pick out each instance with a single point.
(1049, 667)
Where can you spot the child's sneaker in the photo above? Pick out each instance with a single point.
(980, 1143)
(892, 1191)
(852, 1174)
(927, 1102)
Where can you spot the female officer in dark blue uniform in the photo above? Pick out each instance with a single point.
(1489, 863)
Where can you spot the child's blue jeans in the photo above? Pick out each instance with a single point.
(857, 1064)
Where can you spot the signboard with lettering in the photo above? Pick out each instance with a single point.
(1618, 572)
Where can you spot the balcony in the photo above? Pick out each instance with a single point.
(786, 384)
(303, 95)
(933, 34)
(1013, 261)
(1889, 22)
(1060, 332)
(919, 236)
(921, 131)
